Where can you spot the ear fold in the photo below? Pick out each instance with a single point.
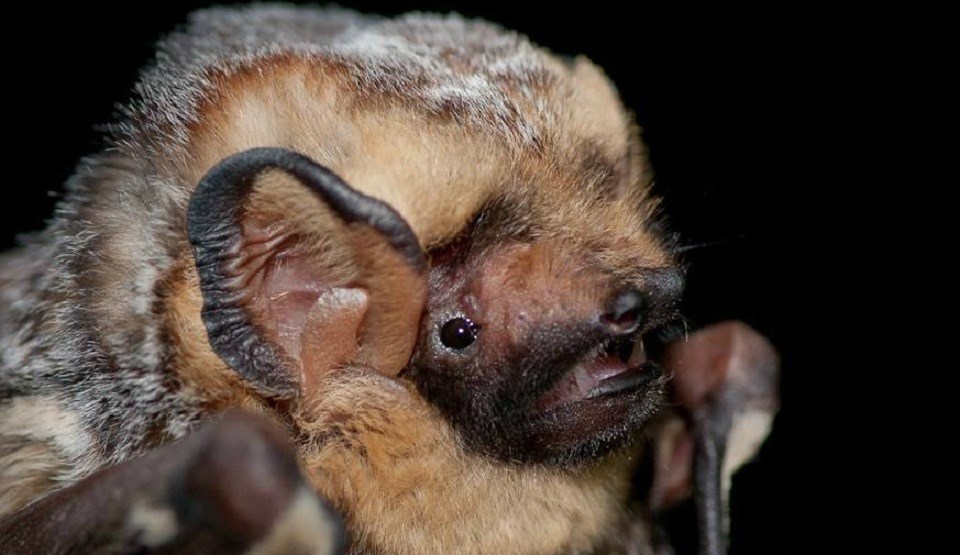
(280, 313)
(725, 384)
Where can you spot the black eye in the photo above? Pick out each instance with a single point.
(458, 333)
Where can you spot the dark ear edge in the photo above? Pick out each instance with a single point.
(214, 229)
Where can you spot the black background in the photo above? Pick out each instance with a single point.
(723, 97)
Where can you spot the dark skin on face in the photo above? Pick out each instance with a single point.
(537, 354)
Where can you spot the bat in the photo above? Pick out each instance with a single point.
(422, 251)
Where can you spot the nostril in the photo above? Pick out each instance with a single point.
(626, 312)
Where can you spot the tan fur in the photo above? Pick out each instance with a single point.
(398, 472)
(27, 472)
(38, 441)
(389, 152)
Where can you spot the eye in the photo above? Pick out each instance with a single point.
(458, 333)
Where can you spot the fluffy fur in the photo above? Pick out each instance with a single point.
(387, 460)
(439, 117)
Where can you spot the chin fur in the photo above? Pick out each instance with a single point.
(402, 478)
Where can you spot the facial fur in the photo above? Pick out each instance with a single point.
(525, 182)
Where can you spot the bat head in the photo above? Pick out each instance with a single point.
(505, 261)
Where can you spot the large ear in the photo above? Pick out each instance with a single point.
(283, 304)
(725, 388)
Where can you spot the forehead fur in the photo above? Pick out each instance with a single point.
(436, 115)
(472, 72)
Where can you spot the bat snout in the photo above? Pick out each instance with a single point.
(560, 351)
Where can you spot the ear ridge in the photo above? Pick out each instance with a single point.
(215, 223)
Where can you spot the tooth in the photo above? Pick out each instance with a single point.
(584, 381)
(639, 354)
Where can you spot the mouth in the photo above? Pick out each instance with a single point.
(616, 367)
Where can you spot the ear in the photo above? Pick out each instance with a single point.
(724, 383)
(289, 296)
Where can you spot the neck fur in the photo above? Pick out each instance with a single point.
(398, 472)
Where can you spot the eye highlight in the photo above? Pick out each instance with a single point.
(458, 333)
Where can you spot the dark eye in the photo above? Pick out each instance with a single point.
(458, 333)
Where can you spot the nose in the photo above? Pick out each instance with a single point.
(626, 312)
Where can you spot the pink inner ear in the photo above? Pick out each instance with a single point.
(313, 314)
(330, 334)
(287, 292)
(316, 323)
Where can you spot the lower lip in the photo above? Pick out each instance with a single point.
(631, 380)
(615, 384)
(605, 416)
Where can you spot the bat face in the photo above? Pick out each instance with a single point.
(538, 352)
(534, 333)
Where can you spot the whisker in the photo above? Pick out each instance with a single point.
(687, 248)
